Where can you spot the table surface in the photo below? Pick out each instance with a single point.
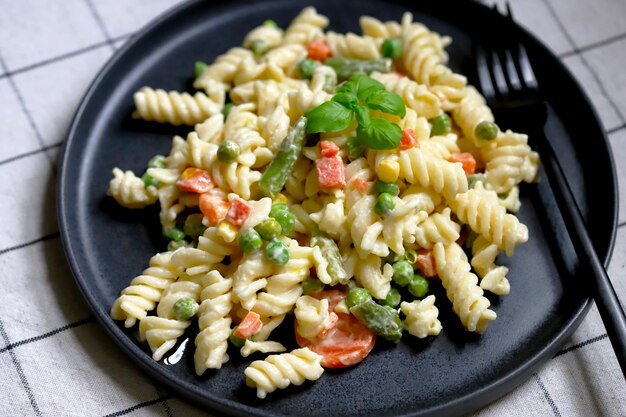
(55, 360)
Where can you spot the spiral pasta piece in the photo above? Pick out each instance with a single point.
(352, 46)
(223, 69)
(278, 371)
(481, 210)
(307, 26)
(370, 273)
(145, 290)
(211, 250)
(213, 322)
(250, 277)
(130, 191)
(509, 161)
(302, 100)
(370, 26)
(462, 287)
(493, 277)
(312, 316)
(173, 107)
(271, 35)
(416, 96)
(421, 317)
(471, 111)
(438, 227)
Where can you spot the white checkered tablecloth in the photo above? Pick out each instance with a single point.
(55, 360)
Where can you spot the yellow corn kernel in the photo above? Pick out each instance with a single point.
(280, 198)
(388, 170)
(227, 231)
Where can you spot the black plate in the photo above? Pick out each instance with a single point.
(454, 373)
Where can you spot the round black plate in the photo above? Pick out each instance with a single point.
(452, 374)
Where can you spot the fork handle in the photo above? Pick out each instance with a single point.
(606, 299)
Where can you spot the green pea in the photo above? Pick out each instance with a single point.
(174, 233)
(306, 67)
(402, 273)
(474, 178)
(392, 299)
(418, 286)
(393, 257)
(148, 180)
(226, 110)
(250, 241)
(277, 252)
(228, 151)
(392, 48)
(185, 308)
(277, 208)
(440, 125)
(312, 285)
(354, 149)
(486, 130)
(270, 23)
(385, 187)
(384, 204)
(357, 296)
(269, 229)
(193, 226)
(236, 341)
(285, 219)
(198, 67)
(411, 256)
(157, 161)
(177, 244)
(259, 47)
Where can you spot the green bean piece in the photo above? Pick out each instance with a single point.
(199, 67)
(384, 204)
(148, 180)
(486, 130)
(228, 151)
(269, 229)
(385, 187)
(236, 341)
(347, 67)
(384, 321)
(193, 226)
(330, 82)
(276, 174)
(285, 219)
(354, 149)
(277, 252)
(185, 308)
(474, 178)
(250, 241)
(357, 296)
(226, 110)
(392, 48)
(330, 252)
(306, 67)
(440, 125)
(392, 299)
(270, 23)
(312, 285)
(259, 47)
(411, 256)
(402, 273)
(157, 161)
(174, 233)
(418, 286)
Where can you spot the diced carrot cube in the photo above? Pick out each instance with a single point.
(239, 212)
(359, 184)
(467, 159)
(195, 180)
(318, 50)
(328, 148)
(426, 263)
(330, 172)
(250, 325)
(214, 208)
(409, 140)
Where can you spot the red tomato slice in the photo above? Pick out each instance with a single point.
(409, 140)
(328, 148)
(330, 172)
(213, 207)
(467, 159)
(195, 180)
(347, 343)
(239, 212)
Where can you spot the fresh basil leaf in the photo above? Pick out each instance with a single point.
(379, 134)
(328, 117)
(347, 100)
(387, 102)
(362, 114)
(361, 86)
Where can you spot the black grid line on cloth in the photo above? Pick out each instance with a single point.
(29, 243)
(616, 129)
(20, 372)
(73, 325)
(161, 392)
(22, 102)
(595, 76)
(30, 153)
(100, 22)
(594, 45)
(621, 224)
(547, 396)
(139, 406)
(581, 345)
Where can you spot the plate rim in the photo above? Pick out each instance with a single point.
(468, 403)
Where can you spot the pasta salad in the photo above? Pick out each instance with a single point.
(331, 177)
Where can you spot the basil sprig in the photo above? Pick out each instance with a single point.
(358, 97)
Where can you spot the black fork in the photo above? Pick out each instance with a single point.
(508, 83)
